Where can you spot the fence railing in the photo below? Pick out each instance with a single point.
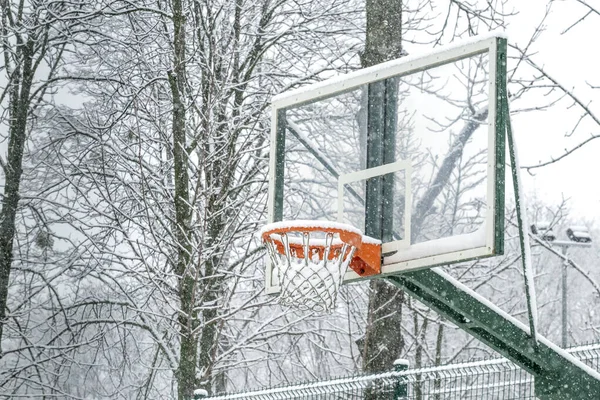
(497, 379)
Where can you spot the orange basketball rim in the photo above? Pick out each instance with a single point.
(366, 260)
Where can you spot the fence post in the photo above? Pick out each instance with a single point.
(401, 388)
(200, 394)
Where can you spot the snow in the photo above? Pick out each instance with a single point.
(369, 240)
(299, 133)
(330, 386)
(582, 234)
(303, 223)
(325, 225)
(543, 226)
(200, 392)
(297, 240)
(579, 228)
(401, 361)
(439, 246)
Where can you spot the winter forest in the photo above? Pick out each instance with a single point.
(134, 161)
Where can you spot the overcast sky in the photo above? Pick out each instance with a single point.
(573, 59)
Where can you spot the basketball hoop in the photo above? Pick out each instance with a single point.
(312, 257)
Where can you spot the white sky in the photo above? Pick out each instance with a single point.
(572, 59)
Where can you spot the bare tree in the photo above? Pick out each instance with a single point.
(166, 163)
(32, 53)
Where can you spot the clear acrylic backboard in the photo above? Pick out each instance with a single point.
(442, 156)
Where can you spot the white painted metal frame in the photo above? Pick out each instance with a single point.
(400, 165)
(403, 66)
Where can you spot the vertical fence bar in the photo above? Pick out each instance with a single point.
(401, 387)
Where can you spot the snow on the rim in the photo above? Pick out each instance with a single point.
(297, 240)
(301, 223)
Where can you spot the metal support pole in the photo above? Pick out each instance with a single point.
(375, 157)
(277, 164)
(528, 274)
(565, 265)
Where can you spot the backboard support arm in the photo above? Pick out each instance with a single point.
(558, 375)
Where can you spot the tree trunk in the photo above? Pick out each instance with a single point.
(19, 95)
(383, 337)
(188, 348)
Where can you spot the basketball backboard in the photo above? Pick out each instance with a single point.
(422, 134)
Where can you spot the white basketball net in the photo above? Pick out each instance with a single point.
(310, 283)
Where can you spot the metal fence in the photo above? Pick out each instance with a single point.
(496, 379)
